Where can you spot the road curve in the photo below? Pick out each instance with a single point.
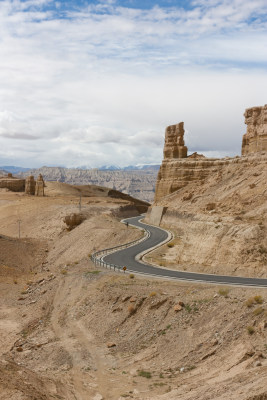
(128, 257)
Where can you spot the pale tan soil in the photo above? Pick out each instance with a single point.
(57, 319)
(219, 224)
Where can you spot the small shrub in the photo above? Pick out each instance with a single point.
(144, 374)
(171, 244)
(152, 294)
(250, 330)
(15, 281)
(131, 309)
(63, 272)
(224, 292)
(156, 384)
(92, 272)
(191, 367)
(210, 206)
(73, 220)
(258, 299)
(131, 276)
(258, 311)
(249, 303)
(188, 308)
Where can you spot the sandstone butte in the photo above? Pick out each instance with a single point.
(178, 169)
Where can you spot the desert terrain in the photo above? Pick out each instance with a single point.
(70, 330)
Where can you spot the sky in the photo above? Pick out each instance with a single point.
(92, 83)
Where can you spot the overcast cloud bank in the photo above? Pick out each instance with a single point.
(98, 83)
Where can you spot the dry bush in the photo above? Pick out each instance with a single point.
(210, 206)
(250, 330)
(249, 303)
(131, 309)
(224, 292)
(64, 272)
(170, 244)
(73, 220)
(258, 299)
(145, 374)
(254, 300)
(152, 294)
(258, 311)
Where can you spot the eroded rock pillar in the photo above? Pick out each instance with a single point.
(30, 185)
(174, 142)
(39, 186)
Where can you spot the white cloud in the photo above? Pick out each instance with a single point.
(104, 85)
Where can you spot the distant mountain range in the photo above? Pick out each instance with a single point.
(138, 167)
(13, 169)
(138, 182)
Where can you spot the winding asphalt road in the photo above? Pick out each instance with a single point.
(128, 257)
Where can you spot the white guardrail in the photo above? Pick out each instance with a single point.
(98, 256)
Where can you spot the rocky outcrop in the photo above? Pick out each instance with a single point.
(255, 139)
(174, 142)
(39, 186)
(13, 184)
(175, 174)
(177, 170)
(30, 185)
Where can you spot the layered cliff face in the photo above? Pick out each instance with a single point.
(175, 174)
(255, 138)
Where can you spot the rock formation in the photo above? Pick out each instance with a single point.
(39, 186)
(175, 174)
(13, 184)
(177, 170)
(174, 142)
(255, 138)
(30, 185)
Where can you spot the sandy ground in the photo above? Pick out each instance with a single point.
(71, 331)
